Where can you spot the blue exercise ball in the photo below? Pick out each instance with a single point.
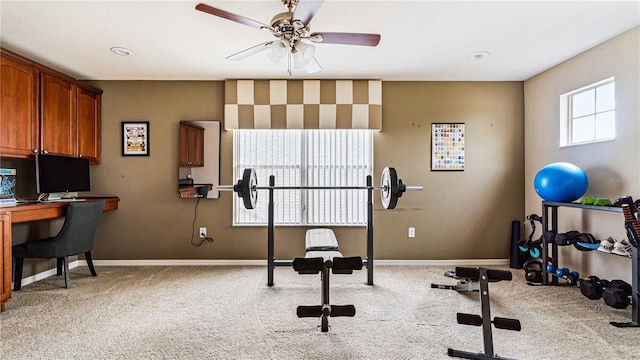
(561, 181)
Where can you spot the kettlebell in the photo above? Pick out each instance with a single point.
(533, 271)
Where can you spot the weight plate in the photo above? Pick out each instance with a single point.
(389, 188)
(249, 191)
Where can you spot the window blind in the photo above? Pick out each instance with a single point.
(306, 158)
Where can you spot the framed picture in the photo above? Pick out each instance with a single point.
(135, 138)
(447, 146)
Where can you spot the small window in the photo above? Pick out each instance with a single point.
(588, 114)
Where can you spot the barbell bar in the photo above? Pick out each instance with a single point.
(391, 188)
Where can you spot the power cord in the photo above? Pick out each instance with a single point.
(203, 238)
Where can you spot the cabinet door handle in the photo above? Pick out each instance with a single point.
(45, 152)
(35, 151)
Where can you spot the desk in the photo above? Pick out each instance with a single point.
(25, 213)
(44, 211)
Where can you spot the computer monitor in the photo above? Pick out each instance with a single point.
(61, 174)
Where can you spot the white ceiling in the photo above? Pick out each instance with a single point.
(421, 40)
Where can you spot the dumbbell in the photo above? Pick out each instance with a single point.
(570, 276)
(617, 294)
(592, 287)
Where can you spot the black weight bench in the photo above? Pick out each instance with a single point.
(324, 258)
(483, 276)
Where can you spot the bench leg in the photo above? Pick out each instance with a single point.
(324, 325)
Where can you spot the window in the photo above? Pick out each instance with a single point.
(305, 158)
(588, 114)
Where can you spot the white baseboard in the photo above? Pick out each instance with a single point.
(176, 262)
(469, 262)
(48, 273)
(203, 262)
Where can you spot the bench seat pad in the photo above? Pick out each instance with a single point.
(320, 240)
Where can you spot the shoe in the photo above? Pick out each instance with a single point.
(606, 245)
(622, 248)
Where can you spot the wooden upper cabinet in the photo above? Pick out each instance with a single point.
(43, 110)
(19, 109)
(89, 105)
(58, 125)
(191, 145)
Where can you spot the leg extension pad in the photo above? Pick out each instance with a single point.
(506, 323)
(327, 310)
(469, 319)
(312, 265)
(346, 265)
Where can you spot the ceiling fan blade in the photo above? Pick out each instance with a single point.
(312, 66)
(250, 51)
(230, 16)
(306, 9)
(345, 38)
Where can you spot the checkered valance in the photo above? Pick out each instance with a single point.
(303, 104)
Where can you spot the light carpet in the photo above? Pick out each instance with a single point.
(228, 312)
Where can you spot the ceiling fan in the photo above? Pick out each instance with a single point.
(290, 29)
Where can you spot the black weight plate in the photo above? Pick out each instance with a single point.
(249, 191)
(389, 188)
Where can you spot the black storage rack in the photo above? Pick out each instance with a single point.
(550, 223)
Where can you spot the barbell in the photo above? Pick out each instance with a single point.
(391, 188)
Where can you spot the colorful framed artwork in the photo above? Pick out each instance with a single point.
(135, 138)
(447, 147)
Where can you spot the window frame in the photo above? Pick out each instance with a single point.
(567, 119)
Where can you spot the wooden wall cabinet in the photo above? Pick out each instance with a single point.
(58, 125)
(191, 145)
(19, 85)
(89, 106)
(5, 259)
(46, 111)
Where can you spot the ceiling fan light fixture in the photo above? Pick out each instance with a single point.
(274, 59)
(306, 50)
(312, 66)
(299, 62)
(279, 48)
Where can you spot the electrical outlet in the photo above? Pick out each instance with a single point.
(203, 232)
(412, 232)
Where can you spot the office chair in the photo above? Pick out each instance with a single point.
(76, 236)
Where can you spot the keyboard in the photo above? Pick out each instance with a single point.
(64, 200)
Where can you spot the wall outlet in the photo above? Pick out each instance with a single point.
(412, 232)
(203, 232)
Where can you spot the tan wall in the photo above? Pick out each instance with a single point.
(459, 215)
(612, 166)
